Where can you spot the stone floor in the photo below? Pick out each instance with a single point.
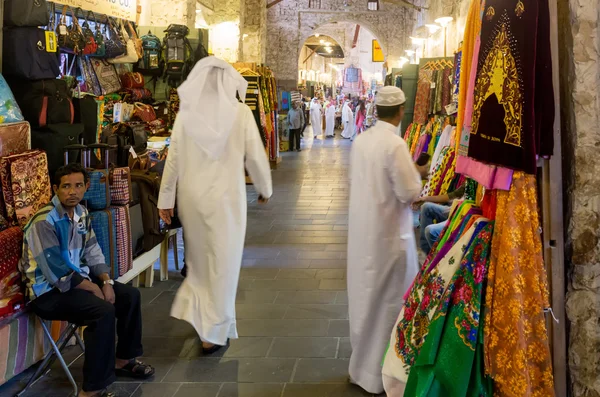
(292, 303)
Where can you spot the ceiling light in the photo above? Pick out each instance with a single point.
(444, 21)
(433, 27)
(317, 35)
(327, 43)
(417, 40)
(322, 41)
(403, 61)
(410, 52)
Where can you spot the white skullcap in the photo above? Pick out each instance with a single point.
(390, 96)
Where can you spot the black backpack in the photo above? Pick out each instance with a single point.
(178, 54)
(148, 186)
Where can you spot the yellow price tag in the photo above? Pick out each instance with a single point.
(51, 41)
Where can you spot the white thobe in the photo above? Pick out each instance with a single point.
(316, 119)
(382, 252)
(348, 122)
(330, 121)
(211, 202)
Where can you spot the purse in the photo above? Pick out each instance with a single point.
(99, 38)
(107, 76)
(144, 112)
(131, 54)
(133, 80)
(91, 47)
(90, 82)
(115, 46)
(70, 38)
(32, 13)
(139, 45)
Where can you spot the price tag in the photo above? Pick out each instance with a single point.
(133, 153)
(62, 29)
(50, 41)
(432, 86)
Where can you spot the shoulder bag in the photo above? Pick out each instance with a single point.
(139, 45)
(91, 47)
(107, 76)
(25, 55)
(70, 38)
(131, 54)
(115, 46)
(32, 13)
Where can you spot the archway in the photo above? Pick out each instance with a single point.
(352, 66)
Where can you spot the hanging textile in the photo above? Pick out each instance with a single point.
(422, 102)
(513, 107)
(517, 353)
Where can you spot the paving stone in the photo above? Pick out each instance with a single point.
(296, 273)
(331, 312)
(321, 370)
(237, 348)
(306, 297)
(259, 311)
(344, 349)
(258, 274)
(333, 284)
(331, 274)
(323, 390)
(285, 328)
(198, 390)
(251, 390)
(328, 264)
(256, 296)
(157, 390)
(267, 370)
(339, 328)
(342, 298)
(286, 285)
(304, 347)
(156, 346)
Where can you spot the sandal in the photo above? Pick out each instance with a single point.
(135, 369)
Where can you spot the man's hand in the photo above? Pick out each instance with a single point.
(88, 286)
(262, 200)
(166, 215)
(109, 293)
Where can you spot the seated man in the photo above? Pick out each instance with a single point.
(434, 217)
(68, 280)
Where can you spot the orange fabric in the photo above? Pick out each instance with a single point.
(472, 29)
(517, 353)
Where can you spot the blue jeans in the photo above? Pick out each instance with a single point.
(433, 217)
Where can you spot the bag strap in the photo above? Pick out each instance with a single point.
(134, 34)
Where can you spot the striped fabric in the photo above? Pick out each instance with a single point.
(98, 195)
(124, 247)
(105, 227)
(22, 344)
(120, 186)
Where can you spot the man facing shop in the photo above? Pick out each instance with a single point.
(68, 280)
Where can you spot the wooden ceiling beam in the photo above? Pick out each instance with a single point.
(356, 33)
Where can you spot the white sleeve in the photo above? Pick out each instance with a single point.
(257, 163)
(168, 185)
(403, 174)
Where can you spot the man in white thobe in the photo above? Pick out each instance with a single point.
(347, 121)
(330, 120)
(316, 118)
(382, 252)
(213, 139)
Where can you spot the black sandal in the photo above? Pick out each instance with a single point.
(135, 369)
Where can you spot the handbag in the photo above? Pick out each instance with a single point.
(131, 55)
(91, 47)
(139, 45)
(99, 38)
(25, 55)
(90, 82)
(70, 38)
(133, 80)
(107, 76)
(32, 13)
(115, 46)
(144, 112)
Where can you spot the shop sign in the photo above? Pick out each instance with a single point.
(125, 9)
(377, 52)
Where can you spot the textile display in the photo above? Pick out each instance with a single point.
(15, 138)
(513, 109)
(517, 353)
(120, 186)
(124, 247)
(422, 102)
(30, 186)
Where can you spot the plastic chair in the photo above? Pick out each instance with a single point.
(55, 353)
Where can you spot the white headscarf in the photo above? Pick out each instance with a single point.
(209, 105)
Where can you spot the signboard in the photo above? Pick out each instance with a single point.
(125, 9)
(377, 52)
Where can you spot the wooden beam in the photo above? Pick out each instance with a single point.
(356, 33)
(311, 54)
(273, 3)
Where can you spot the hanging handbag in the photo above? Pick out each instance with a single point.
(115, 46)
(91, 47)
(131, 54)
(32, 13)
(144, 112)
(139, 45)
(25, 55)
(90, 82)
(70, 38)
(132, 80)
(99, 38)
(107, 76)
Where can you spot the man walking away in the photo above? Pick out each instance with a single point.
(295, 119)
(382, 251)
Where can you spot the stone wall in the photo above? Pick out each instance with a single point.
(254, 31)
(164, 12)
(291, 22)
(580, 113)
(456, 9)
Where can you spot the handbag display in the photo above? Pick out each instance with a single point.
(114, 44)
(99, 38)
(130, 55)
(144, 112)
(132, 80)
(25, 55)
(107, 76)
(139, 45)
(91, 47)
(70, 38)
(90, 82)
(32, 13)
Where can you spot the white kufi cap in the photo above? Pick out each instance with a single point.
(390, 96)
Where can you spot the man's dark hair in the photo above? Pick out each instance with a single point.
(388, 112)
(69, 170)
